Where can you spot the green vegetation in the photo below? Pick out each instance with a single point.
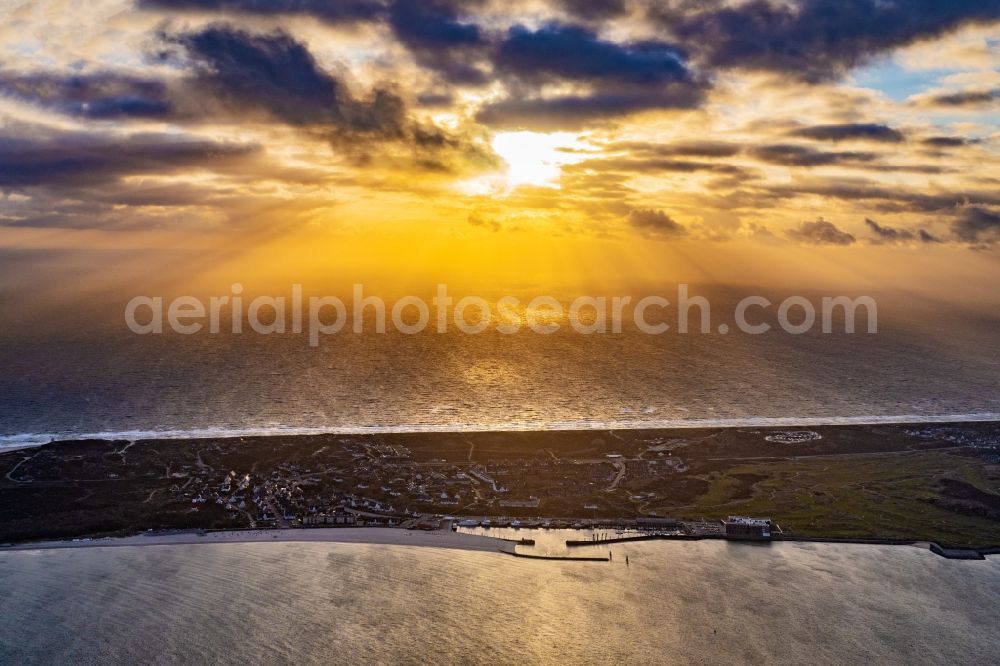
(890, 495)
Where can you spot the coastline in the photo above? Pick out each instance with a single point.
(378, 536)
(20, 441)
(445, 539)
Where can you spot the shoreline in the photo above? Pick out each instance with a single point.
(376, 536)
(449, 540)
(20, 441)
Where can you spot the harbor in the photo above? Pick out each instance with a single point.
(564, 543)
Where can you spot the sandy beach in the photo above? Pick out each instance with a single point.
(365, 535)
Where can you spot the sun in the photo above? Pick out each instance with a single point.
(536, 158)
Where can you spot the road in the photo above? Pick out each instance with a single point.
(620, 466)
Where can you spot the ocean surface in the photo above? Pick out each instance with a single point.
(674, 603)
(91, 376)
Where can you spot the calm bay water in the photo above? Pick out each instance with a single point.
(675, 603)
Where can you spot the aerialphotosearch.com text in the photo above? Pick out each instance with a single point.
(319, 316)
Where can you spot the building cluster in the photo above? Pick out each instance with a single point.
(744, 527)
(360, 481)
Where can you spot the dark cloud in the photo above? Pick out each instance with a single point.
(429, 24)
(909, 168)
(277, 74)
(331, 11)
(821, 232)
(435, 100)
(656, 223)
(237, 76)
(976, 224)
(812, 40)
(886, 234)
(430, 29)
(439, 40)
(970, 98)
(566, 52)
(59, 160)
(652, 165)
(621, 78)
(100, 96)
(946, 141)
(803, 156)
(875, 195)
(576, 111)
(850, 131)
(678, 149)
(101, 206)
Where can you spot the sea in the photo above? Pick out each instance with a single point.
(329, 603)
(84, 374)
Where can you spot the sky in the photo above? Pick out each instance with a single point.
(189, 144)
